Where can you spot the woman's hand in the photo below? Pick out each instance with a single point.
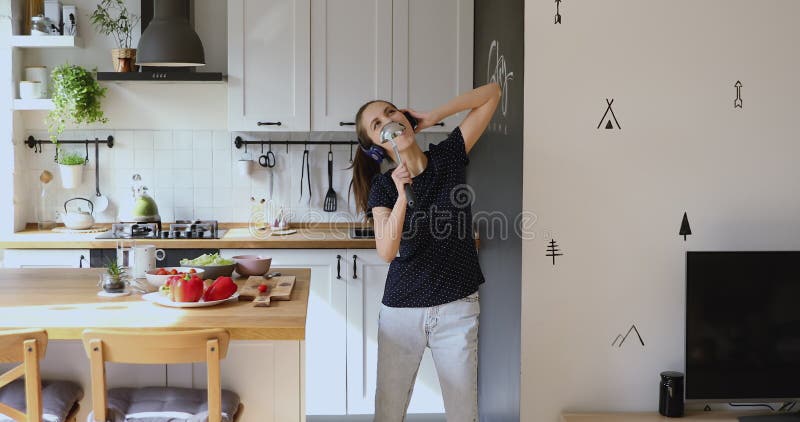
(425, 120)
(401, 177)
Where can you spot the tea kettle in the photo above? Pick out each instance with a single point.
(142, 207)
(78, 219)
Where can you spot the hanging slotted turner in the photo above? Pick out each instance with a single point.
(330, 197)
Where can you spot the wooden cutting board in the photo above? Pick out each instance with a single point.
(280, 288)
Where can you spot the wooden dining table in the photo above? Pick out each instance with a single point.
(65, 302)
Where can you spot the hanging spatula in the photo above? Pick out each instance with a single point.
(330, 198)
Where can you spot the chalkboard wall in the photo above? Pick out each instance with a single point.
(495, 174)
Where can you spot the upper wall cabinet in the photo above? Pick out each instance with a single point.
(351, 59)
(432, 54)
(268, 65)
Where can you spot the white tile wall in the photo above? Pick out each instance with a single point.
(193, 174)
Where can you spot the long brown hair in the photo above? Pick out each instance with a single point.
(364, 167)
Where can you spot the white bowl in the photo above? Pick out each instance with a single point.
(158, 280)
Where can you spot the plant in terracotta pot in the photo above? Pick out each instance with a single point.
(76, 98)
(111, 17)
(70, 164)
(115, 279)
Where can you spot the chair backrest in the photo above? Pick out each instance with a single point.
(147, 347)
(26, 346)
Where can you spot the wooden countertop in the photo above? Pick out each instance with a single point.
(305, 238)
(65, 302)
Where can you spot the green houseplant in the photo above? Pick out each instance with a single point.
(70, 165)
(115, 278)
(111, 17)
(76, 97)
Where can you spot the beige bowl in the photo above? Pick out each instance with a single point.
(248, 265)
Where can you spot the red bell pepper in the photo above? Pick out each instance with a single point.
(186, 289)
(222, 288)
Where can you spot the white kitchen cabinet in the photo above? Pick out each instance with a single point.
(342, 331)
(268, 65)
(351, 59)
(432, 54)
(326, 332)
(365, 284)
(46, 258)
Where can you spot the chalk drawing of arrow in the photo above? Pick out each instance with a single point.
(737, 103)
(558, 12)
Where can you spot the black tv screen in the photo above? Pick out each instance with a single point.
(742, 325)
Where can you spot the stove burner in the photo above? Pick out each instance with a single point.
(181, 229)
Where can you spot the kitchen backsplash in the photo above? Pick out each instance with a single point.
(194, 174)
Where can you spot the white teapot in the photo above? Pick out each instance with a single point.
(79, 219)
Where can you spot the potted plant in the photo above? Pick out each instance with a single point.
(70, 164)
(76, 98)
(111, 17)
(115, 278)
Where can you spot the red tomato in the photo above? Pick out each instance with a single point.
(192, 271)
(161, 271)
(173, 271)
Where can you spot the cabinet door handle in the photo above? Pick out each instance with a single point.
(80, 261)
(355, 266)
(338, 267)
(439, 124)
(269, 123)
(347, 123)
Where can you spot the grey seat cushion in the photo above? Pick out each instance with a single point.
(166, 404)
(58, 397)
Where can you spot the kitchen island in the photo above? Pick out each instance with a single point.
(265, 363)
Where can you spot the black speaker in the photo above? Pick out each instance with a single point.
(670, 400)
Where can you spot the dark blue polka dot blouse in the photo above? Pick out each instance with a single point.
(438, 262)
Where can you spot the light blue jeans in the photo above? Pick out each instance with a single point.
(451, 332)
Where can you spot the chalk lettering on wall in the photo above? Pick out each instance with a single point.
(497, 71)
(558, 12)
(553, 250)
(737, 103)
(620, 339)
(606, 121)
(685, 229)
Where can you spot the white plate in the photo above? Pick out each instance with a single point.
(160, 299)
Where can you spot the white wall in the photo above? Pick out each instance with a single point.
(613, 199)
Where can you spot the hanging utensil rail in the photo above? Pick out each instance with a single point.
(239, 142)
(36, 144)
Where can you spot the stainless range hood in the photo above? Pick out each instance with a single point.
(169, 49)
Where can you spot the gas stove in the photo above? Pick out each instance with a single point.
(181, 229)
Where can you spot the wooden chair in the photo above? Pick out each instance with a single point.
(27, 346)
(140, 347)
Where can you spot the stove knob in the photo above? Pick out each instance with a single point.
(190, 234)
(164, 234)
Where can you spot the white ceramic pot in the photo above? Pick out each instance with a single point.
(30, 90)
(38, 74)
(71, 176)
(245, 167)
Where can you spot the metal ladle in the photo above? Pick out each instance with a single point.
(388, 134)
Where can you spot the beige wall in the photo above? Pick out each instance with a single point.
(613, 199)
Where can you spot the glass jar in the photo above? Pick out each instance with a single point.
(112, 284)
(46, 209)
(39, 25)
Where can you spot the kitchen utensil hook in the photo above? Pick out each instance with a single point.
(351, 152)
(86, 145)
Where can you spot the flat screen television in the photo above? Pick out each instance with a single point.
(742, 325)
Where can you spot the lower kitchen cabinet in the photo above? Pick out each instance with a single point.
(326, 332)
(364, 293)
(46, 258)
(342, 331)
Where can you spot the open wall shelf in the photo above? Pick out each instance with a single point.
(45, 41)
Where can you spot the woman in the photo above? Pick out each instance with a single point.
(431, 293)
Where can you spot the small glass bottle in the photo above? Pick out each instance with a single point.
(46, 210)
(39, 25)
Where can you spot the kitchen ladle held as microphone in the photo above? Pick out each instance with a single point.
(388, 134)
